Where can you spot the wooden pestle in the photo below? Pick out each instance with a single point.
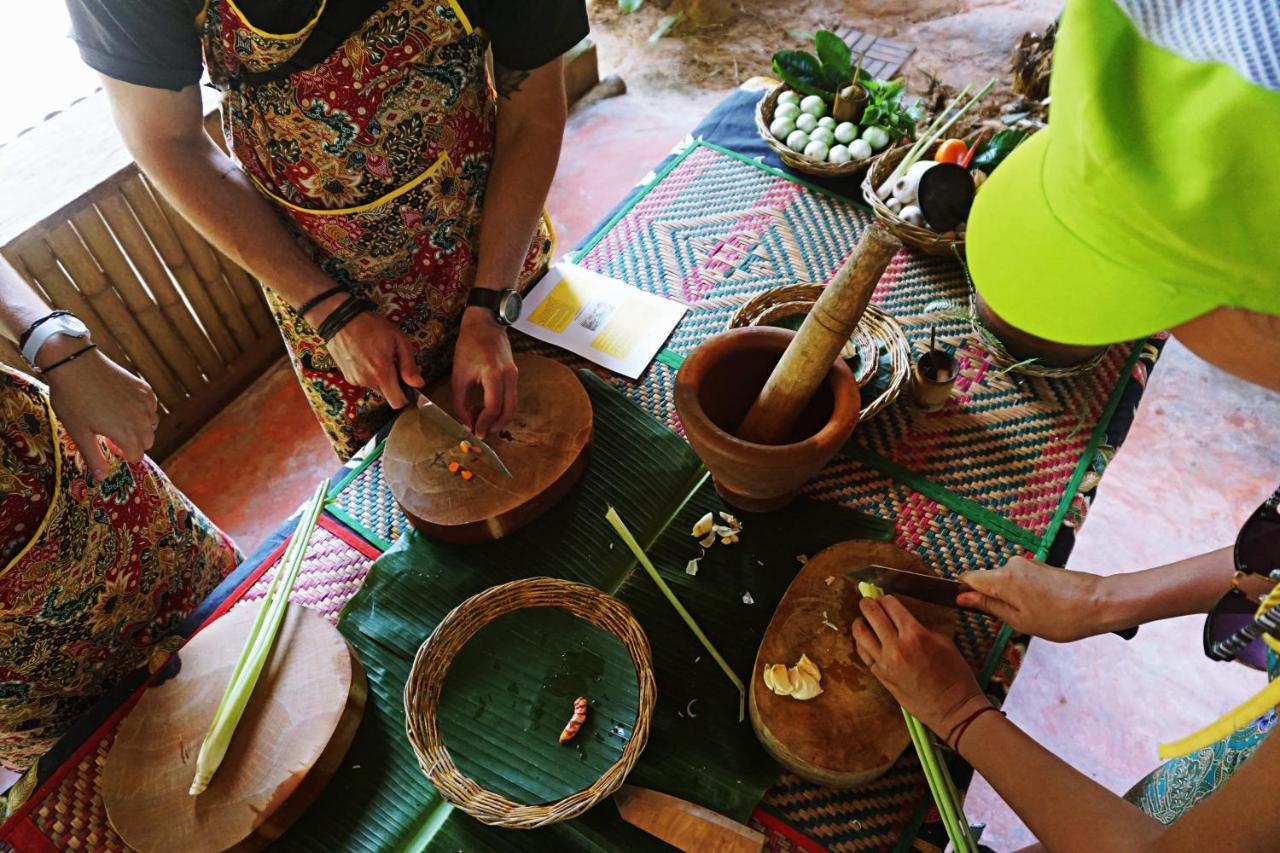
(808, 358)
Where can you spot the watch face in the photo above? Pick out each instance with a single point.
(509, 306)
(74, 326)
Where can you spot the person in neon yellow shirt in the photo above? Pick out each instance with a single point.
(1148, 204)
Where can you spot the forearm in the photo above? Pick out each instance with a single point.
(216, 197)
(525, 156)
(1066, 810)
(20, 306)
(1177, 589)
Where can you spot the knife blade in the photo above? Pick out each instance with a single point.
(683, 825)
(930, 588)
(934, 590)
(451, 427)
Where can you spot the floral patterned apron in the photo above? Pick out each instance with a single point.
(377, 159)
(93, 575)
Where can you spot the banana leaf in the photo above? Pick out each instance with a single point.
(697, 749)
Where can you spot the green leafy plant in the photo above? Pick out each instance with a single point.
(822, 75)
(884, 108)
(997, 149)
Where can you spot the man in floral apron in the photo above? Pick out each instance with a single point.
(366, 141)
(100, 556)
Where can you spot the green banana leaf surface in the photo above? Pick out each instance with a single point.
(697, 749)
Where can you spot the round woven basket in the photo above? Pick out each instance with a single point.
(949, 244)
(882, 330)
(793, 159)
(431, 664)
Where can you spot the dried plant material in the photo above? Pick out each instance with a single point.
(729, 540)
(801, 681)
(802, 558)
(575, 722)
(722, 530)
(826, 620)
(691, 567)
(703, 526)
(464, 446)
(747, 599)
(707, 541)
(688, 709)
(830, 580)
(730, 520)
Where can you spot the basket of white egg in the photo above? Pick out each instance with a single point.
(801, 129)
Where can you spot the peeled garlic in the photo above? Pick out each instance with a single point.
(703, 527)
(799, 682)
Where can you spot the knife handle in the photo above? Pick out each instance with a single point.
(1126, 633)
(410, 393)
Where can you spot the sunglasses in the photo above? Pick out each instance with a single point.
(1232, 631)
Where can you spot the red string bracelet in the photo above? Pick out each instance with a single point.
(953, 739)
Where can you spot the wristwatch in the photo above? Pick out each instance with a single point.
(505, 304)
(57, 323)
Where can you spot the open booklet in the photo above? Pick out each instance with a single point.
(602, 319)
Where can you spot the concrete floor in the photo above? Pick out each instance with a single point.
(1203, 453)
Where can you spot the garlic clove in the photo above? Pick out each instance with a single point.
(703, 527)
(808, 667)
(805, 688)
(782, 683)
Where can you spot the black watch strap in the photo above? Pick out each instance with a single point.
(483, 297)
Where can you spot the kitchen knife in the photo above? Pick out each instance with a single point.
(684, 825)
(930, 588)
(450, 426)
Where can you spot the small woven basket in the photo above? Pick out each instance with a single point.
(431, 664)
(793, 159)
(879, 327)
(949, 244)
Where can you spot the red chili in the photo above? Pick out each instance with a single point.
(968, 157)
(575, 722)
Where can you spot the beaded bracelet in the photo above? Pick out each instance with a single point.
(44, 371)
(342, 315)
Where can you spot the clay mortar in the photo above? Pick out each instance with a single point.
(716, 386)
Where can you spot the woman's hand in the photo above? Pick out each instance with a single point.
(93, 396)
(921, 668)
(1037, 599)
(373, 353)
(482, 359)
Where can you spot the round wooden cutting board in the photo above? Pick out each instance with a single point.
(853, 732)
(544, 446)
(296, 729)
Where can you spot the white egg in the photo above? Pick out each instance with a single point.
(789, 97)
(827, 122)
(813, 105)
(797, 140)
(838, 154)
(806, 122)
(823, 135)
(788, 110)
(816, 150)
(859, 149)
(846, 132)
(782, 127)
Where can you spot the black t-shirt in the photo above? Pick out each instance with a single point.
(155, 42)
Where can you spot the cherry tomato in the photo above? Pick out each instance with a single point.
(951, 151)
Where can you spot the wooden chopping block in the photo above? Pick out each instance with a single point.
(853, 732)
(544, 446)
(294, 733)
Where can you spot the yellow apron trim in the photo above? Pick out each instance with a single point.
(57, 488)
(202, 15)
(462, 16)
(360, 208)
(551, 232)
(244, 19)
(1232, 721)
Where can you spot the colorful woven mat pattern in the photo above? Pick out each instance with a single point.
(68, 812)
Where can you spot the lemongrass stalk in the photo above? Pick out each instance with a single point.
(638, 552)
(954, 793)
(913, 154)
(937, 134)
(256, 650)
(947, 807)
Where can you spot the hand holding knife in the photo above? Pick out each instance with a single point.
(450, 426)
(930, 588)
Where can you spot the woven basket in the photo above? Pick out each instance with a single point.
(875, 325)
(431, 664)
(949, 244)
(795, 160)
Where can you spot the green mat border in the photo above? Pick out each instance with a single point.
(966, 508)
